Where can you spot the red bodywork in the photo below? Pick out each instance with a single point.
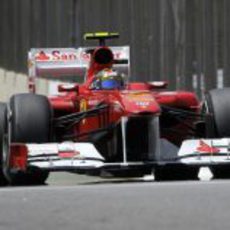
(136, 99)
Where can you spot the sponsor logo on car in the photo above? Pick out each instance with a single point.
(55, 55)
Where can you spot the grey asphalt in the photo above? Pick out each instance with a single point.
(94, 204)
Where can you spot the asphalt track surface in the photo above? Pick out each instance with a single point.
(85, 203)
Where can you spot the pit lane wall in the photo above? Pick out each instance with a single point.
(11, 83)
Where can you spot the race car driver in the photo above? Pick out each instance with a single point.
(108, 79)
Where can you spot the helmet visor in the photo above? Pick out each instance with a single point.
(110, 84)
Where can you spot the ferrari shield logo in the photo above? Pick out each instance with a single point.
(83, 105)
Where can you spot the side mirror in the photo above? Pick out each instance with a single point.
(68, 88)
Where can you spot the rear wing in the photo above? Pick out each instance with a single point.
(69, 64)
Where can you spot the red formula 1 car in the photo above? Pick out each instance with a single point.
(108, 123)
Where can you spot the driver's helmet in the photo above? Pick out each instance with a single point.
(108, 79)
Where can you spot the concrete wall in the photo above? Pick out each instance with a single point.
(12, 83)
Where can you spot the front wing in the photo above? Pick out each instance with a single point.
(205, 152)
(64, 156)
(69, 156)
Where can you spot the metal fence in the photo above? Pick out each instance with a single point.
(186, 42)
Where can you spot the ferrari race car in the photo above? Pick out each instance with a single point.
(103, 123)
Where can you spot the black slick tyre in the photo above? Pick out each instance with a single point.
(175, 173)
(30, 122)
(218, 109)
(217, 122)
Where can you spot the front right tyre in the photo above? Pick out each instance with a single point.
(30, 121)
(218, 108)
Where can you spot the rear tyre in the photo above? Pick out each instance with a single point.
(173, 173)
(217, 122)
(220, 172)
(127, 173)
(30, 122)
